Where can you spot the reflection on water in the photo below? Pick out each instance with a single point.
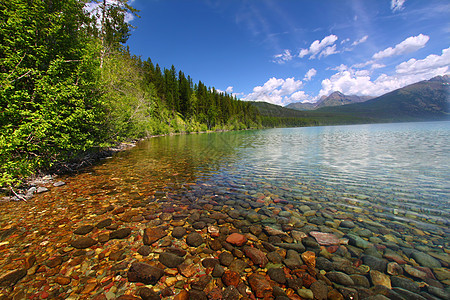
(399, 171)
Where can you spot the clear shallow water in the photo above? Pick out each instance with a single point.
(399, 172)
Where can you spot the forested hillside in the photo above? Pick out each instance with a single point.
(68, 85)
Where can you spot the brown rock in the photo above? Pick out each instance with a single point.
(29, 261)
(89, 287)
(335, 295)
(54, 261)
(120, 233)
(309, 258)
(83, 242)
(236, 239)
(148, 294)
(183, 295)
(415, 272)
(257, 256)
(128, 297)
(144, 273)
(379, 278)
(11, 278)
(231, 278)
(103, 237)
(151, 235)
(260, 286)
(85, 229)
(394, 269)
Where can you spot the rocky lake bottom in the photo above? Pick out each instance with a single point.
(70, 243)
(344, 212)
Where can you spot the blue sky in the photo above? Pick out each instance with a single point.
(284, 51)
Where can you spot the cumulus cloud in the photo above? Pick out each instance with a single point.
(278, 91)
(397, 4)
(328, 51)
(359, 82)
(360, 41)
(310, 74)
(411, 44)
(429, 63)
(283, 57)
(317, 47)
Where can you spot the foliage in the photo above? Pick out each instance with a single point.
(49, 95)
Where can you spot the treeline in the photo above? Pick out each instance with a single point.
(67, 86)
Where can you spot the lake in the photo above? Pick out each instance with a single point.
(366, 201)
(400, 171)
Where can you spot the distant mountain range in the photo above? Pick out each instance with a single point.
(421, 101)
(424, 100)
(334, 99)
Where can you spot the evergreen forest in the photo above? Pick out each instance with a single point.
(68, 86)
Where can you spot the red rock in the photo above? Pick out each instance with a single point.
(187, 270)
(332, 249)
(278, 200)
(307, 279)
(215, 294)
(325, 239)
(151, 235)
(257, 256)
(260, 286)
(309, 258)
(231, 278)
(236, 239)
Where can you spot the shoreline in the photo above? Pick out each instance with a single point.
(42, 181)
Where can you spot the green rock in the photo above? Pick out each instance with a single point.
(305, 293)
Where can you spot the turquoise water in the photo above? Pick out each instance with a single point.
(399, 172)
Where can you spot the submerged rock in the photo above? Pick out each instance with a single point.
(144, 273)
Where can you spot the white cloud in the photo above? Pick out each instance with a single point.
(397, 4)
(426, 65)
(339, 68)
(310, 74)
(377, 66)
(345, 41)
(303, 53)
(349, 81)
(411, 44)
(299, 96)
(317, 47)
(283, 57)
(278, 91)
(360, 41)
(229, 89)
(328, 51)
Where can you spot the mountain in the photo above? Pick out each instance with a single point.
(334, 99)
(277, 116)
(302, 106)
(424, 100)
(421, 101)
(337, 99)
